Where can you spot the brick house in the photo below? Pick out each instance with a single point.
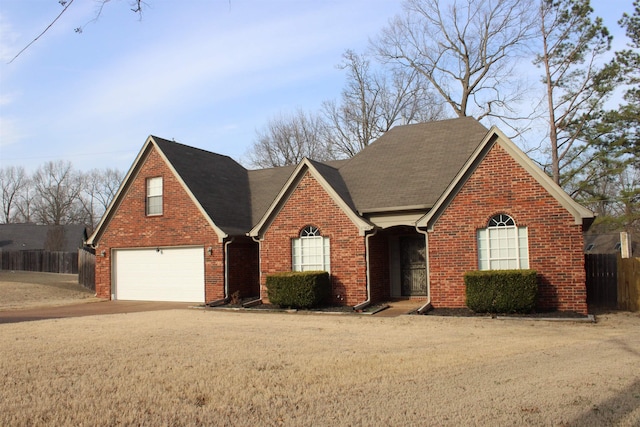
(404, 218)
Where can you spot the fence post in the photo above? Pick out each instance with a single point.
(629, 284)
(87, 269)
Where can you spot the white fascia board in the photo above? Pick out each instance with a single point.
(578, 211)
(393, 220)
(115, 202)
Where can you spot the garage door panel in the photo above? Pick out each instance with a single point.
(168, 274)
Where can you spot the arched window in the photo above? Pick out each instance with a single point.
(311, 250)
(503, 245)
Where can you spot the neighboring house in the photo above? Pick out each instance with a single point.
(34, 237)
(406, 217)
(47, 248)
(608, 243)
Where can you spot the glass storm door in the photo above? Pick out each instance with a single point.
(413, 266)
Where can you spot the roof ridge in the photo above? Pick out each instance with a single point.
(164, 140)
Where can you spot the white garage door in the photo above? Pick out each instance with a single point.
(167, 274)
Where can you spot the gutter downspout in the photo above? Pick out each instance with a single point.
(427, 305)
(226, 269)
(368, 301)
(258, 240)
(225, 296)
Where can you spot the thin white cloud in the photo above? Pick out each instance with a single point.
(180, 77)
(10, 131)
(219, 64)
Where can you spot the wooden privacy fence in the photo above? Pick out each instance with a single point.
(602, 280)
(87, 268)
(613, 281)
(629, 284)
(43, 261)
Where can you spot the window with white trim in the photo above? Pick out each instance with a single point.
(310, 251)
(503, 245)
(154, 196)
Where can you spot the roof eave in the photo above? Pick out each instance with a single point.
(394, 209)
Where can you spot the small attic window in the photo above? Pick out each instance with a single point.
(618, 246)
(590, 247)
(154, 196)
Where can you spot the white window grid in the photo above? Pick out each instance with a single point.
(154, 196)
(503, 245)
(311, 251)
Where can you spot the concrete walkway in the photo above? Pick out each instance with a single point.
(400, 307)
(88, 309)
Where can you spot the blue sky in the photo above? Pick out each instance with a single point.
(206, 73)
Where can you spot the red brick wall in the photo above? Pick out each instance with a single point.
(309, 204)
(180, 224)
(501, 185)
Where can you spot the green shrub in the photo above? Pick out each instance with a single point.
(501, 291)
(299, 289)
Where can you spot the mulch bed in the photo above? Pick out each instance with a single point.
(465, 312)
(345, 309)
(450, 312)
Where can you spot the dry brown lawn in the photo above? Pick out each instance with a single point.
(205, 367)
(25, 289)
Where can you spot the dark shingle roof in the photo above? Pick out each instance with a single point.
(265, 184)
(410, 165)
(29, 237)
(607, 243)
(218, 182)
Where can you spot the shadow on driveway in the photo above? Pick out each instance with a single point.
(88, 309)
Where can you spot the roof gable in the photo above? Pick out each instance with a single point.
(216, 184)
(328, 178)
(581, 214)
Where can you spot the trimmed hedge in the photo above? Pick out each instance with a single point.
(295, 289)
(501, 291)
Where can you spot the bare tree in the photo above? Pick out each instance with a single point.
(136, 7)
(372, 102)
(287, 139)
(464, 49)
(99, 187)
(576, 85)
(25, 204)
(58, 189)
(13, 182)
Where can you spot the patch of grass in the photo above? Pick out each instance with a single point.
(207, 367)
(24, 289)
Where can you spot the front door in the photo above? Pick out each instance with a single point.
(413, 266)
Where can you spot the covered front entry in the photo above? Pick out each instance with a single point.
(407, 257)
(413, 267)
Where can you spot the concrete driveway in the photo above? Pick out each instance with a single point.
(88, 309)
